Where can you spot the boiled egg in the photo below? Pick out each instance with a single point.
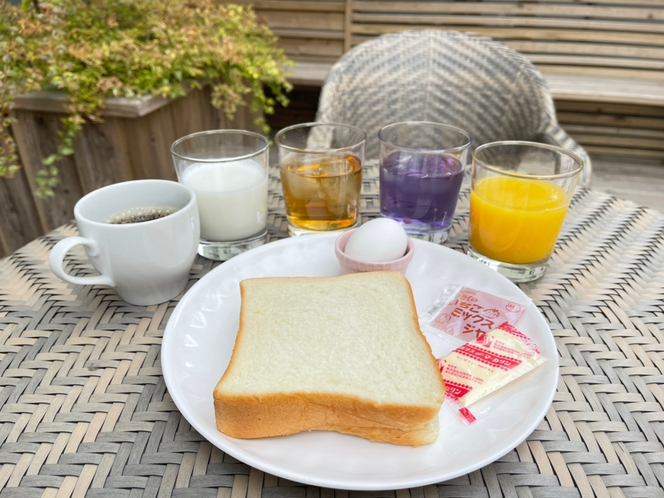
(377, 241)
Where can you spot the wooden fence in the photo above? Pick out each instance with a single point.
(603, 59)
(595, 38)
(309, 31)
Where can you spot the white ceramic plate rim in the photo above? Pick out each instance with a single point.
(288, 257)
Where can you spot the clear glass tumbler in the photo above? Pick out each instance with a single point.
(321, 176)
(520, 193)
(421, 169)
(228, 170)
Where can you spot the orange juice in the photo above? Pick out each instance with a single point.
(515, 220)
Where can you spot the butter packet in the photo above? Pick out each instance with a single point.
(467, 314)
(474, 371)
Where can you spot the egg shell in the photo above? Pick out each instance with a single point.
(378, 241)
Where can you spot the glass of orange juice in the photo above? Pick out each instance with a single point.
(520, 193)
(320, 165)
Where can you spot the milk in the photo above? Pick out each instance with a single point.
(232, 198)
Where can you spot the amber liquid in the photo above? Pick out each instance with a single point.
(322, 195)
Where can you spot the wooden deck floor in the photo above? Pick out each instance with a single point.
(641, 182)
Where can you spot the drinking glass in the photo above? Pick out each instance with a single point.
(421, 169)
(228, 170)
(321, 175)
(520, 193)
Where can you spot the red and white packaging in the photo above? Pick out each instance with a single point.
(466, 314)
(486, 370)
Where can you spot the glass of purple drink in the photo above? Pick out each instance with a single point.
(421, 169)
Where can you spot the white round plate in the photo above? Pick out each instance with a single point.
(199, 340)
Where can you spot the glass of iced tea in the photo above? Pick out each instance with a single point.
(321, 175)
(421, 169)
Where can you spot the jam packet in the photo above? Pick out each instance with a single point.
(468, 314)
(474, 371)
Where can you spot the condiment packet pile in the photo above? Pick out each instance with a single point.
(491, 355)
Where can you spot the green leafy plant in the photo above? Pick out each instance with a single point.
(94, 49)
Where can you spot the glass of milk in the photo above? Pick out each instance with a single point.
(228, 170)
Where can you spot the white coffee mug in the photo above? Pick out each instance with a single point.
(148, 262)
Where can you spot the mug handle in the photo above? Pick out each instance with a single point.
(60, 250)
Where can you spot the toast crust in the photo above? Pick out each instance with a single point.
(283, 414)
(248, 415)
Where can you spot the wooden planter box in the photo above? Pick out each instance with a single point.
(133, 142)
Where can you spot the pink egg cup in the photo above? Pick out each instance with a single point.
(352, 265)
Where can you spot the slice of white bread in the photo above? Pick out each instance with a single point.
(342, 353)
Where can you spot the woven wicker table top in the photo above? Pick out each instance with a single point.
(84, 410)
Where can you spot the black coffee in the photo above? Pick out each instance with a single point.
(139, 215)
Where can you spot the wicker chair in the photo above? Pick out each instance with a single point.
(465, 80)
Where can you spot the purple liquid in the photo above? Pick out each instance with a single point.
(420, 190)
